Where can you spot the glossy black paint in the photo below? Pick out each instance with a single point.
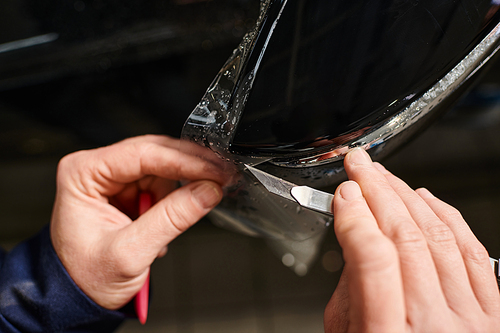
(92, 36)
(337, 67)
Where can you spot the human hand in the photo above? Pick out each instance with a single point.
(104, 245)
(411, 262)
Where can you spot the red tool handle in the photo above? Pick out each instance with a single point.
(141, 300)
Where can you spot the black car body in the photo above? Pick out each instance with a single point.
(311, 80)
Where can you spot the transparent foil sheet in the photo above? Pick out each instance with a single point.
(247, 206)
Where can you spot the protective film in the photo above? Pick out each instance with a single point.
(208, 132)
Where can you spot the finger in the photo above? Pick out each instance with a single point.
(386, 205)
(127, 199)
(420, 279)
(185, 146)
(474, 254)
(442, 245)
(336, 318)
(104, 171)
(127, 163)
(139, 243)
(163, 140)
(375, 288)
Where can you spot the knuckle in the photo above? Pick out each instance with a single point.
(135, 139)
(440, 234)
(475, 252)
(451, 214)
(144, 146)
(134, 148)
(67, 162)
(377, 254)
(351, 224)
(384, 261)
(140, 148)
(69, 167)
(409, 238)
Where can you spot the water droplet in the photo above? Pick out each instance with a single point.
(301, 269)
(288, 259)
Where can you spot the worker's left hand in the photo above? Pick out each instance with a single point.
(95, 229)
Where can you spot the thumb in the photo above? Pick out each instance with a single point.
(186, 206)
(168, 218)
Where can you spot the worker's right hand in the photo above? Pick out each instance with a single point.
(411, 262)
(95, 228)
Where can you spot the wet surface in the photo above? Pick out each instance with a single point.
(337, 68)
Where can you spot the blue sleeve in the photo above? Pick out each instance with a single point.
(38, 295)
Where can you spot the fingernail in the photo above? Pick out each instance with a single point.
(350, 191)
(207, 195)
(425, 193)
(359, 156)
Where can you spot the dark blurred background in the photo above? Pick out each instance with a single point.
(82, 74)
